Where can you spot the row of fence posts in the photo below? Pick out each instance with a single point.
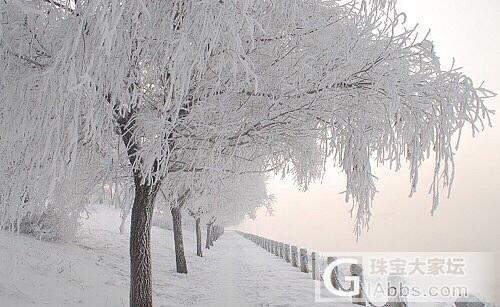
(299, 258)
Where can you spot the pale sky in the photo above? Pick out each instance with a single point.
(469, 220)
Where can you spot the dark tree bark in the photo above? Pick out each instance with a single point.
(198, 237)
(207, 243)
(180, 258)
(212, 236)
(216, 233)
(140, 245)
(141, 293)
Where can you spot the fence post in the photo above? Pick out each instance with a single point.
(276, 249)
(287, 253)
(281, 249)
(394, 295)
(357, 270)
(314, 265)
(303, 260)
(295, 261)
(334, 272)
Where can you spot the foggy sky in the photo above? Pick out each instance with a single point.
(468, 221)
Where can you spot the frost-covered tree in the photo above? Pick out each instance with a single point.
(176, 204)
(209, 193)
(226, 201)
(188, 85)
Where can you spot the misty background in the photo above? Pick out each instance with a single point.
(319, 218)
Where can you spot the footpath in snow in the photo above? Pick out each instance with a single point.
(94, 271)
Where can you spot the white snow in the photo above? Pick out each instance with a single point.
(94, 271)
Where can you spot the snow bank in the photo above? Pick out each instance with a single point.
(94, 271)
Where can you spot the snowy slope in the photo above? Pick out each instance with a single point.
(95, 271)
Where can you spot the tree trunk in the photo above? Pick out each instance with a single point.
(140, 245)
(207, 243)
(125, 210)
(180, 259)
(122, 224)
(212, 236)
(198, 237)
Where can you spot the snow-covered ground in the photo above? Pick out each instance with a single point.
(94, 271)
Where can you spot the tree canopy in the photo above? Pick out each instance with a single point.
(300, 80)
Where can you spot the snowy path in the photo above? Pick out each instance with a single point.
(249, 276)
(229, 274)
(94, 271)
